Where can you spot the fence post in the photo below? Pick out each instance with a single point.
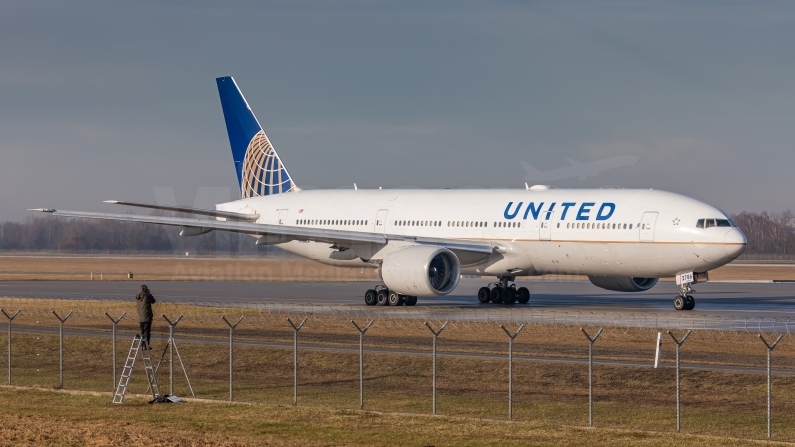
(590, 372)
(769, 351)
(10, 319)
(171, 351)
(115, 322)
(60, 346)
(295, 358)
(231, 353)
(361, 360)
(678, 345)
(510, 367)
(435, 336)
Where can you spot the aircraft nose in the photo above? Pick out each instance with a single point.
(735, 242)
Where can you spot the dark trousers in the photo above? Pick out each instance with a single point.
(146, 331)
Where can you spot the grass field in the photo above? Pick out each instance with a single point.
(286, 268)
(550, 399)
(41, 417)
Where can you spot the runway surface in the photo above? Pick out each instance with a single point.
(713, 300)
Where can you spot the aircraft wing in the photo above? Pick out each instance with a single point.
(212, 213)
(340, 237)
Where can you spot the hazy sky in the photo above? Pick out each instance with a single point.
(114, 100)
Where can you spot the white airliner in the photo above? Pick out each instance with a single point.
(422, 241)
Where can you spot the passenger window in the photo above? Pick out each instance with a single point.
(630, 226)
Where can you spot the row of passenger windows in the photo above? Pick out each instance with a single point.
(598, 226)
(469, 224)
(707, 223)
(329, 222)
(417, 223)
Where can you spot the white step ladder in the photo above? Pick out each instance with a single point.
(121, 389)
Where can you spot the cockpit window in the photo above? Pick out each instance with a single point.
(707, 223)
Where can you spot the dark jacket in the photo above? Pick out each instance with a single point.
(145, 301)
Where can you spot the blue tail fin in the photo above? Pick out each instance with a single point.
(259, 169)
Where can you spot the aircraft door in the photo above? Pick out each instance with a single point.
(545, 227)
(380, 222)
(647, 224)
(283, 217)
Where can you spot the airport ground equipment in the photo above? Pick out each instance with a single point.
(137, 347)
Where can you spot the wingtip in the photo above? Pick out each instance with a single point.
(110, 201)
(42, 210)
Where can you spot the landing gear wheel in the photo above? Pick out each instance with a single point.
(382, 297)
(370, 298)
(509, 295)
(394, 299)
(522, 295)
(679, 302)
(496, 295)
(484, 295)
(690, 302)
(411, 300)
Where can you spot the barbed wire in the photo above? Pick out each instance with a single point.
(462, 319)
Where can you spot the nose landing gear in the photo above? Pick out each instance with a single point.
(502, 292)
(685, 301)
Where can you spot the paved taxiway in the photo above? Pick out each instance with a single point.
(735, 300)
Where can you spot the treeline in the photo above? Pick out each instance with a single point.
(107, 236)
(767, 233)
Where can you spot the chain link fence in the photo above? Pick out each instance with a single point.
(405, 362)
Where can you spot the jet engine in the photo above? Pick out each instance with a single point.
(421, 270)
(623, 283)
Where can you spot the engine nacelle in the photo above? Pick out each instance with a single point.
(623, 283)
(421, 271)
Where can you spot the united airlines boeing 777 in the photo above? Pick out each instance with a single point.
(422, 241)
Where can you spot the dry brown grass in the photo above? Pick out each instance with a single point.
(29, 417)
(286, 268)
(116, 268)
(626, 397)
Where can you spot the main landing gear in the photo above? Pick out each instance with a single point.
(384, 297)
(502, 292)
(684, 301)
